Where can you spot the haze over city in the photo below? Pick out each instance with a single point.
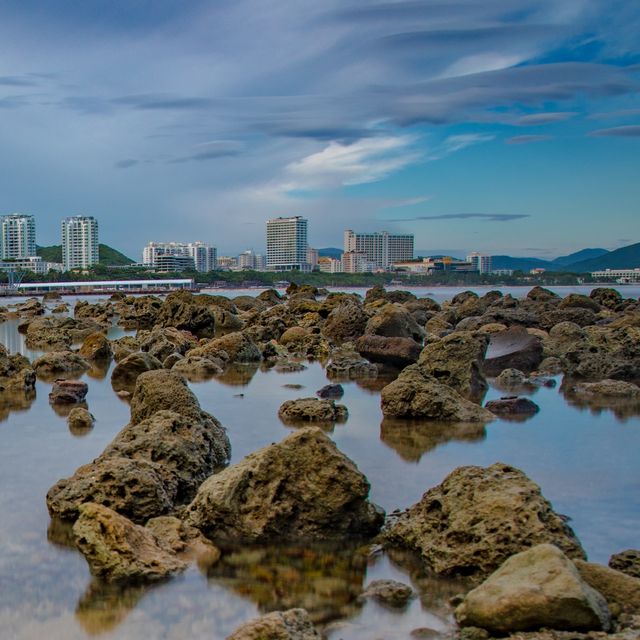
(500, 127)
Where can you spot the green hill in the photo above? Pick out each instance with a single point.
(624, 258)
(107, 255)
(580, 256)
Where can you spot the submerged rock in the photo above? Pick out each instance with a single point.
(312, 410)
(293, 624)
(389, 592)
(302, 488)
(119, 550)
(536, 588)
(80, 420)
(331, 391)
(512, 406)
(68, 392)
(478, 517)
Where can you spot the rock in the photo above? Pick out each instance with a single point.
(302, 488)
(197, 368)
(58, 332)
(456, 361)
(16, 373)
(606, 297)
(118, 550)
(398, 352)
(626, 561)
(550, 366)
(512, 406)
(312, 410)
(68, 392)
(32, 307)
(102, 312)
(162, 342)
(348, 365)
(576, 300)
(331, 391)
(608, 388)
(123, 347)
(394, 321)
(578, 315)
(478, 517)
(56, 363)
(380, 293)
(140, 312)
(512, 349)
(237, 345)
(50, 296)
(389, 592)
(126, 372)
(293, 624)
(60, 308)
(621, 591)
(270, 296)
(176, 537)
(293, 337)
(540, 294)
(80, 420)
(536, 588)
(96, 347)
(183, 310)
(415, 394)
(226, 322)
(346, 322)
(511, 378)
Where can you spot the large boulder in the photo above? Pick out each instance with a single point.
(627, 561)
(16, 373)
(514, 348)
(415, 394)
(305, 410)
(119, 550)
(302, 488)
(139, 313)
(536, 588)
(293, 624)
(621, 591)
(394, 321)
(478, 517)
(58, 332)
(456, 360)
(196, 368)
(606, 297)
(398, 352)
(57, 364)
(183, 310)
(349, 365)
(162, 342)
(238, 347)
(126, 372)
(346, 322)
(96, 347)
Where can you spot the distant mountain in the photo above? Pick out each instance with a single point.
(579, 256)
(521, 264)
(330, 252)
(624, 258)
(107, 255)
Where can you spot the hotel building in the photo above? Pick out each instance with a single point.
(18, 238)
(383, 249)
(79, 242)
(287, 244)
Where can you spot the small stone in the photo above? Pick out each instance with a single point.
(331, 391)
(389, 592)
(68, 392)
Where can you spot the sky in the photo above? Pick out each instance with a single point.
(502, 126)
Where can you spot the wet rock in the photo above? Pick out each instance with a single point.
(608, 388)
(626, 561)
(606, 297)
(540, 294)
(196, 368)
(550, 366)
(398, 352)
(391, 593)
(238, 347)
(176, 537)
(293, 624)
(80, 420)
(312, 410)
(16, 374)
(348, 365)
(102, 312)
(270, 296)
(183, 310)
(576, 300)
(621, 591)
(96, 347)
(512, 406)
(302, 488)
(478, 517)
(50, 296)
(512, 349)
(60, 308)
(123, 347)
(126, 372)
(345, 322)
(118, 550)
(60, 363)
(578, 315)
(68, 392)
(536, 588)
(456, 361)
(58, 333)
(380, 293)
(226, 322)
(162, 342)
(140, 312)
(331, 391)
(32, 307)
(511, 378)
(394, 321)
(415, 394)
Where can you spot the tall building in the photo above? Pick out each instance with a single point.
(382, 248)
(287, 244)
(79, 242)
(204, 256)
(18, 236)
(481, 262)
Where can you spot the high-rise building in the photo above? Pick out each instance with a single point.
(287, 244)
(18, 236)
(79, 242)
(382, 248)
(481, 262)
(357, 262)
(204, 255)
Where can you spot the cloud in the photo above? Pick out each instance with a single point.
(211, 151)
(126, 163)
(527, 138)
(17, 81)
(535, 119)
(462, 141)
(488, 217)
(626, 131)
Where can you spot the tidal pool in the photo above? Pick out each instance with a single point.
(585, 458)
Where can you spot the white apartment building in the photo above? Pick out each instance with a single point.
(32, 263)
(287, 244)
(329, 265)
(482, 263)
(381, 248)
(204, 255)
(18, 236)
(79, 242)
(357, 262)
(621, 276)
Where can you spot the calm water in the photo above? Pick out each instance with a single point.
(585, 460)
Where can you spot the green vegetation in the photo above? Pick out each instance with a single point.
(107, 255)
(50, 254)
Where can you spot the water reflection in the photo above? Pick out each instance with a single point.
(411, 439)
(238, 375)
(11, 401)
(324, 580)
(622, 408)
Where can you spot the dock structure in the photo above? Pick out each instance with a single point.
(100, 287)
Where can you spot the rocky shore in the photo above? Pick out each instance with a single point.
(162, 493)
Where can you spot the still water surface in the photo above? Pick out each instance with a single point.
(585, 460)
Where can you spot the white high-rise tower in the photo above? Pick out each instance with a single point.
(18, 236)
(287, 244)
(79, 242)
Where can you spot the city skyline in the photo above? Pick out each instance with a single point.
(475, 127)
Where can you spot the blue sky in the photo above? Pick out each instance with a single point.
(503, 126)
